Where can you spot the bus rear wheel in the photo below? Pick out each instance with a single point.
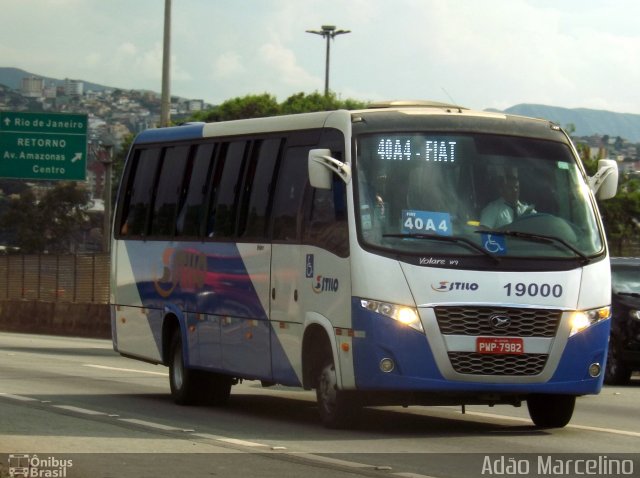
(216, 388)
(551, 411)
(182, 380)
(337, 408)
(195, 387)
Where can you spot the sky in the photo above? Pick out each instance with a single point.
(475, 53)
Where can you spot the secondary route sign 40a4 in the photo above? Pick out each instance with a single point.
(51, 146)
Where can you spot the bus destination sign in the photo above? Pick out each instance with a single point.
(46, 146)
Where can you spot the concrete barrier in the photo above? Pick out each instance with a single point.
(55, 318)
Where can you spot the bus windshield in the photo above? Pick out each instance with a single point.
(473, 194)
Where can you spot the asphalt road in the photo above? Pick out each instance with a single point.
(75, 407)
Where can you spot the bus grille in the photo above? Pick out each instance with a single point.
(477, 321)
(485, 364)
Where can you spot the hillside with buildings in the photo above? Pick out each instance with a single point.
(113, 115)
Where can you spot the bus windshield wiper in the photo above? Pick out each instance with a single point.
(538, 238)
(453, 239)
(632, 294)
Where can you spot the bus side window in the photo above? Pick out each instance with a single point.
(140, 193)
(192, 210)
(259, 187)
(326, 220)
(169, 190)
(292, 180)
(222, 216)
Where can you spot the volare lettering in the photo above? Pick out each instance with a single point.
(430, 261)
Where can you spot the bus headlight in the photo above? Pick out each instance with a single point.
(403, 314)
(634, 314)
(583, 319)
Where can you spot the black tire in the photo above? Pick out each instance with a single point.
(551, 411)
(338, 409)
(195, 387)
(217, 388)
(182, 380)
(615, 372)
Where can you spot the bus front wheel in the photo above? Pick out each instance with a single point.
(551, 411)
(337, 408)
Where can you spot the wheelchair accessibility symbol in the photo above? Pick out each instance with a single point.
(495, 244)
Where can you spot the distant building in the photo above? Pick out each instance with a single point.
(50, 91)
(195, 105)
(73, 87)
(32, 87)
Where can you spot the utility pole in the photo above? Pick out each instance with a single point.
(165, 108)
(106, 158)
(328, 32)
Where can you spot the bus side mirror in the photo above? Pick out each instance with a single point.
(321, 164)
(604, 183)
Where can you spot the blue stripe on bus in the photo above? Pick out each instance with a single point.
(176, 133)
(233, 330)
(210, 280)
(416, 369)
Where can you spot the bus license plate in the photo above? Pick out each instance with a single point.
(499, 345)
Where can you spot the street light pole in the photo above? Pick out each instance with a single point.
(328, 32)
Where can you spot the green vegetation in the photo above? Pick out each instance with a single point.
(621, 214)
(50, 223)
(259, 106)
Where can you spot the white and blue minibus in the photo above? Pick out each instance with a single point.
(411, 253)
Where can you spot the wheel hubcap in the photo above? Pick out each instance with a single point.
(327, 388)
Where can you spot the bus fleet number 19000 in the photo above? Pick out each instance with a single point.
(520, 289)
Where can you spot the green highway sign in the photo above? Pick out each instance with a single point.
(43, 146)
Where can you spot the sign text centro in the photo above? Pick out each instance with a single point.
(43, 146)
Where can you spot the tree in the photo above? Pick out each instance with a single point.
(64, 212)
(19, 220)
(305, 103)
(260, 106)
(53, 223)
(620, 215)
(118, 166)
(250, 106)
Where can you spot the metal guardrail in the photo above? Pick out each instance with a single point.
(81, 278)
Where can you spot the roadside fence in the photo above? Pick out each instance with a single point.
(77, 278)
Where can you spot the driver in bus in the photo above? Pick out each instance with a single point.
(508, 207)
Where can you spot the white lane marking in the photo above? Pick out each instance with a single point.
(413, 475)
(157, 426)
(329, 460)
(606, 430)
(233, 441)
(84, 411)
(19, 397)
(577, 427)
(495, 415)
(118, 369)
